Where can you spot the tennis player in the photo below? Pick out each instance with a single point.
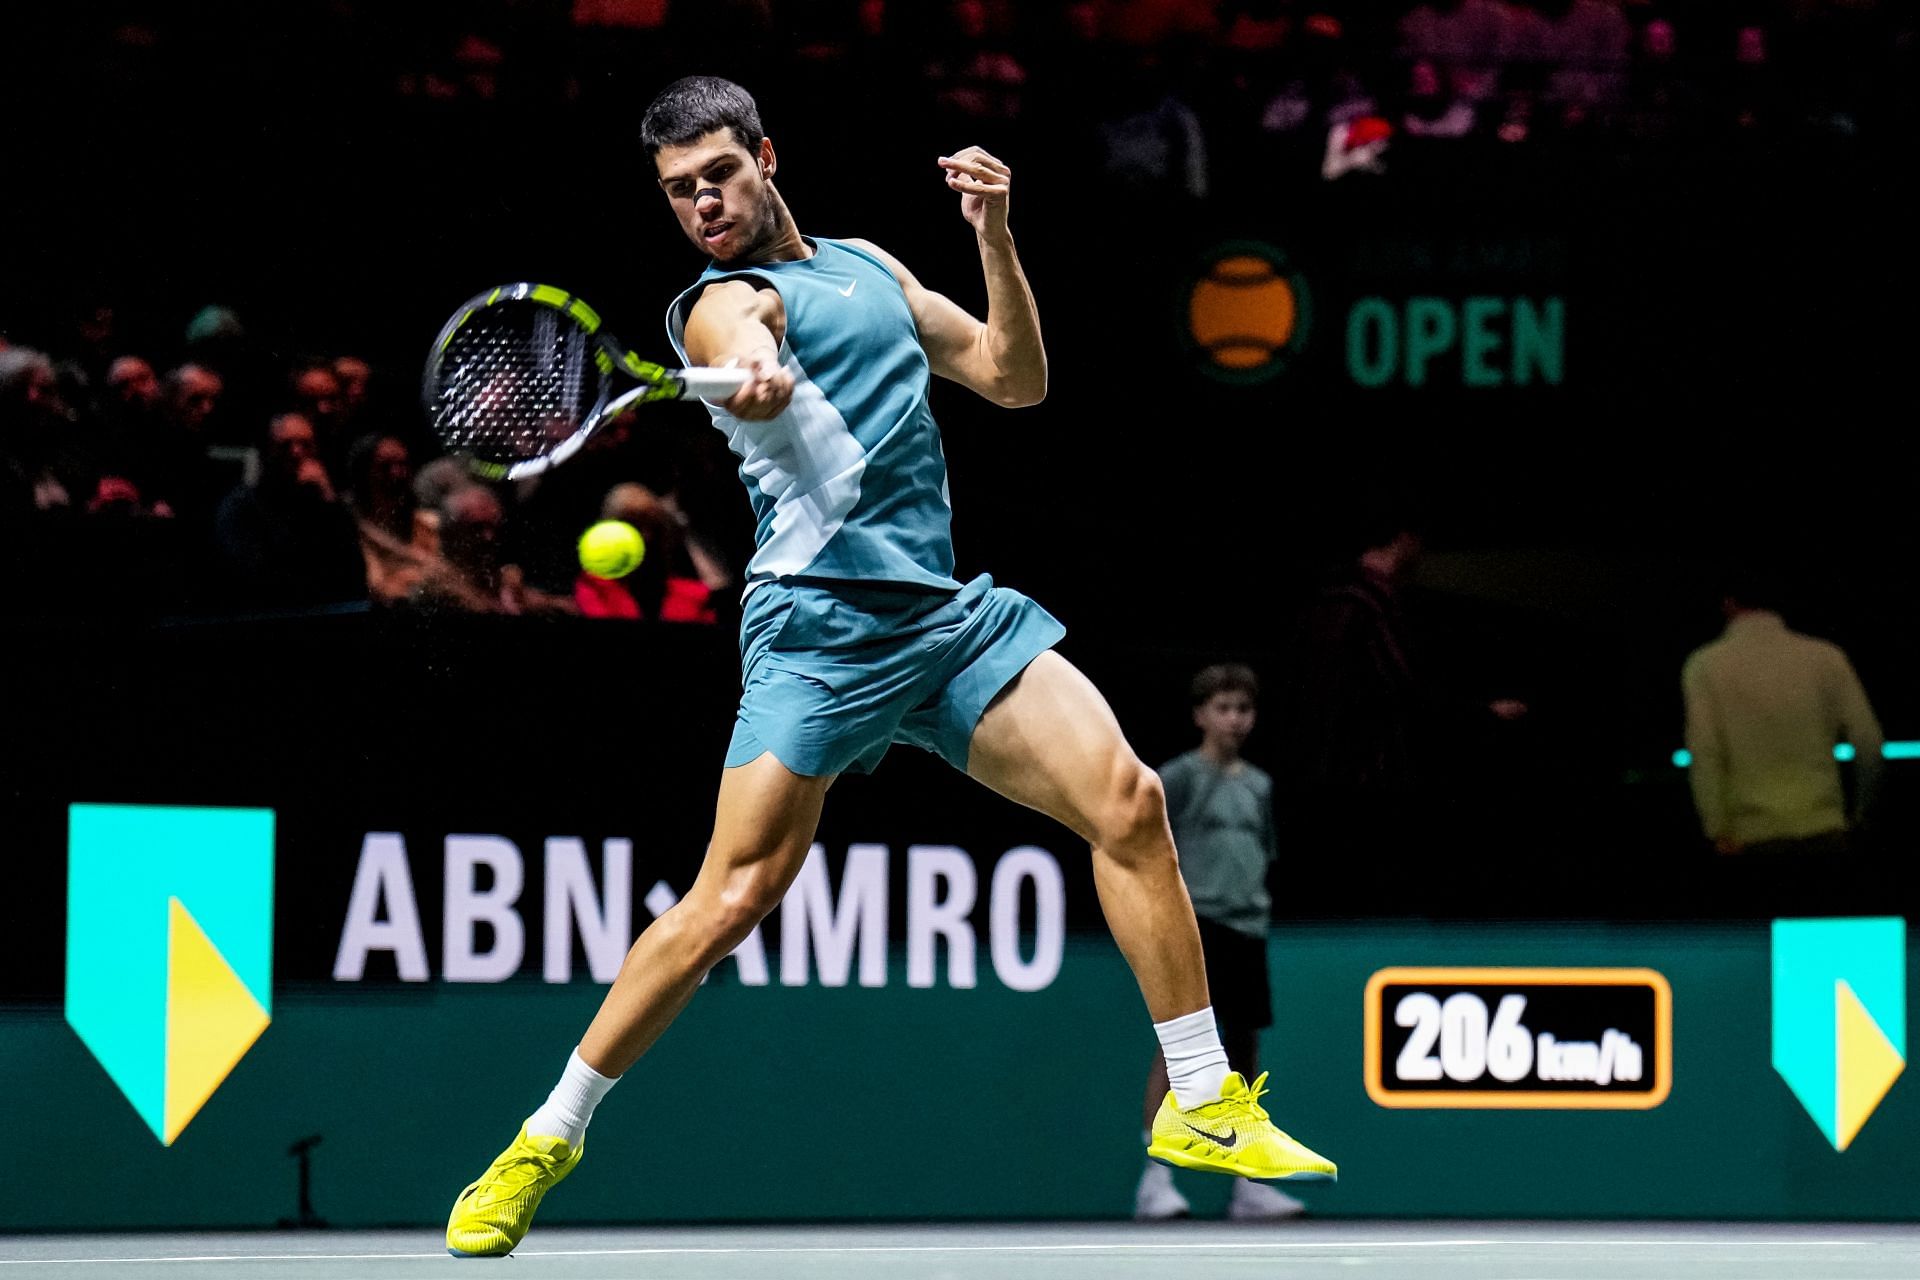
(856, 635)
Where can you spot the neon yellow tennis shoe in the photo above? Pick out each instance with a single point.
(492, 1215)
(1232, 1134)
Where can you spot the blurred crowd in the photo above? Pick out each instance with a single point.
(1161, 91)
(1174, 76)
(216, 467)
(221, 479)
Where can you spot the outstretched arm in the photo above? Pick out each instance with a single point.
(1003, 359)
(735, 324)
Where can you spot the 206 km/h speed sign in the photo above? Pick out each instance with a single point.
(1563, 1038)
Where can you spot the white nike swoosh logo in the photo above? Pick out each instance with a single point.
(848, 291)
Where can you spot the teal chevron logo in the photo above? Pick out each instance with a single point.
(169, 948)
(1840, 1017)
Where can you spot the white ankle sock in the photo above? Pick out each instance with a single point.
(568, 1108)
(1196, 1064)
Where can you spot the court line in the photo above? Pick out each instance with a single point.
(1182, 1246)
(1111, 1247)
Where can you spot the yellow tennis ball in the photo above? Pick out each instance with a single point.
(612, 549)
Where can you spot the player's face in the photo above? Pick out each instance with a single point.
(719, 191)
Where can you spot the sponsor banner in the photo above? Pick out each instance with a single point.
(185, 895)
(1473, 313)
(1509, 1037)
(169, 948)
(370, 1068)
(560, 912)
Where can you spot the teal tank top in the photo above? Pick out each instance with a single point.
(849, 483)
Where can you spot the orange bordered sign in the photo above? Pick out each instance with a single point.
(1573, 1039)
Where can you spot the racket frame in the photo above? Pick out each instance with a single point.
(610, 357)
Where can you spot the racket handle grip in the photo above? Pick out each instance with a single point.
(713, 384)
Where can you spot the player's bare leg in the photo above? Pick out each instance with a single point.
(1156, 1089)
(762, 830)
(761, 834)
(1050, 742)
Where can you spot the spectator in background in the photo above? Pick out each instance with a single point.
(433, 484)
(1371, 726)
(286, 539)
(1253, 62)
(1584, 46)
(250, 382)
(133, 397)
(153, 435)
(36, 437)
(435, 481)
(974, 74)
(670, 584)
(1319, 90)
(471, 521)
(193, 394)
(127, 436)
(1361, 720)
(93, 334)
(1221, 810)
(392, 541)
(1154, 143)
(354, 376)
(17, 505)
(318, 398)
(1765, 707)
(1431, 111)
(187, 476)
(1465, 41)
(132, 384)
(1661, 101)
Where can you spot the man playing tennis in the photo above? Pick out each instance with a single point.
(856, 635)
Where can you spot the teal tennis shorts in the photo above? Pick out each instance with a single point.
(834, 674)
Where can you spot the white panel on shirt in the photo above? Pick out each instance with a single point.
(808, 462)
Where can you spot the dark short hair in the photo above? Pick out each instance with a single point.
(1225, 677)
(692, 107)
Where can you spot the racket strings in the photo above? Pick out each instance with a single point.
(514, 382)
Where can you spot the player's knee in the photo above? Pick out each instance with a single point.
(748, 895)
(1135, 814)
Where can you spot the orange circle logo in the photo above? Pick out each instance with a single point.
(1246, 313)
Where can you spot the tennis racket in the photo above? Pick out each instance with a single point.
(523, 374)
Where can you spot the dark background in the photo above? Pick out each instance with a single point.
(1738, 386)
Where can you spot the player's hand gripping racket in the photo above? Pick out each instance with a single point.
(523, 375)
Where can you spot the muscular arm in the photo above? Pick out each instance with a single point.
(733, 323)
(1003, 358)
